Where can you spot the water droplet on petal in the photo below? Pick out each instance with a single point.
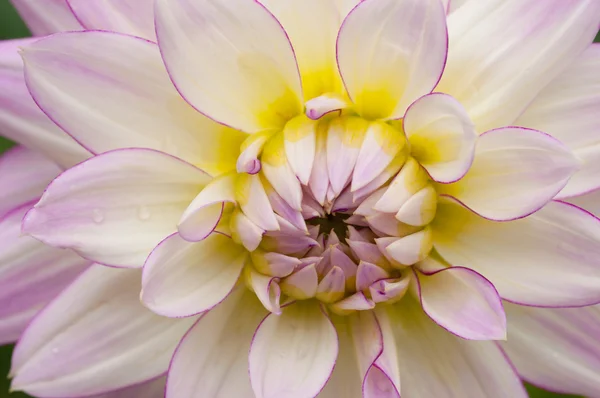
(98, 216)
(144, 213)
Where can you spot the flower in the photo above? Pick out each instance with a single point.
(351, 192)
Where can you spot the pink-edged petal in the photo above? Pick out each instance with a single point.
(463, 302)
(279, 173)
(300, 141)
(31, 274)
(293, 354)
(589, 202)
(314, 47)
(252, 82)
(503, 53)
(322, 105)
(333, 286)
(123, 98)
(244, 231)
(465, 369)
(319, 180)
(95, 337)
(253, 200)
(390, 53)
(46, 17)
(420, 209)
(410, 249)
(21, 119)
(211, 360)
(367, 274)
(133, 17)
(266, 288)
(203, 214)
(356, 302)
(184, 278)
(410, 180)
(149, 389)
(549, 259)
(382, 379)
(568, 110)
(115, 207)
(516, 171)
(23, 176)
(344, 140)
(442, 136)
(302, 284)
(556, 349)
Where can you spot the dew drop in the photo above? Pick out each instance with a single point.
(98, 216)
(144, 213)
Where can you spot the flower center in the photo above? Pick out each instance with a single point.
(341, 209)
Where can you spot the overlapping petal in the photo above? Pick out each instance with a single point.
(549, 259)
(70, 75)
(390, 53)
(46, 17)
(502, 53)
(184, 278)
(95, 337)
(115, 207)
(252, 81)
(556, 349)
(568, 109)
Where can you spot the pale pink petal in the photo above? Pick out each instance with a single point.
(115, 207)
(382, 379)
(420, 209)
(556, 349)
(410, 249)
(319, 180)
(441, 135)
(463, 302)
(367, 274)
(568, 110)
(31, 274)
(332, 287)
(300, 140)
(149, 389)
(465, 369)
(302, 284)
(516, 171)
(109, 91)
(95, 337)
(23, 176)
(274, 264)
(390, 53)
(279, 173)
(211, 360)
(133, 17)
(356, 302)
(244, 231)
(504, 52)
(20, 118)
(44, 17)
(549, 259)
(344, 140)
(410, 180)
(293, 354)
(203, 214)
(184, 278)
(252, 82)
(266, 288)
(253, 200)
(589, 202)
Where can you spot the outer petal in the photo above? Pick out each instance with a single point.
(441, 135)
(31, 274)
(556, 349)
(111, 91)
(515, 172)
(589, 202)
(252, 81)
(549, 259)
(293, 354)
(95, 337)
(20, 118)
(115, 207)
(44, 17)
(465, 369)
(463, 302)
(211, 360)
(504, 52)
(568, 109)
(23, 176)
(149, 389)
(390, 53)
(182, 278)
(134, 17)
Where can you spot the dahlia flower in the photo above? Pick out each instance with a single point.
(303, 198)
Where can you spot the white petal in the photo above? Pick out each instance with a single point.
(556, 348)
(568, 110)
(589, 202)
(149, 389)
(300, 140)
(252, 81)
(293, 354)
(109, 91)
(516, 171)
(344, 140)
(465, 369)
(253, 200)
(133, 17)
(95, 337)
(441, 135)
(115, 207)
(504, 52)
(211, 360)
(46, 17)
(279, 173)
(390, 53)
(463, 302)
(549, 259)
(182, 278)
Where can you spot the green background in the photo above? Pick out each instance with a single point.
(11, 26)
